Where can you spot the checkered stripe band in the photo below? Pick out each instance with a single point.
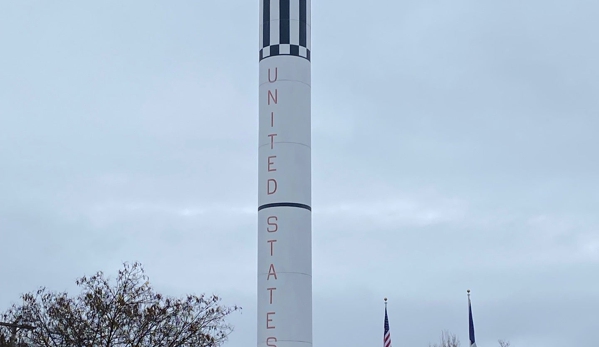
(285, 28)
(285, 49)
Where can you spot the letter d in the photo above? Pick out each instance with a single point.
(271, 186)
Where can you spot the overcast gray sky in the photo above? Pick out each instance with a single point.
(454, 148)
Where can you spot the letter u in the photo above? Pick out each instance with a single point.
(276, 75)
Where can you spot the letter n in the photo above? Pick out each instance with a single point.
(274, 98)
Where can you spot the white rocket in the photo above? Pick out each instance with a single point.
(284, 174)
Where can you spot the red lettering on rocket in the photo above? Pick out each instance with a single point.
(270, 290)
(271, 162)
(272, 247)
(271, 186)
(268, 320)
(274, 98)
(272, 224)
(276, 75)
(271, 272)
(272, 140)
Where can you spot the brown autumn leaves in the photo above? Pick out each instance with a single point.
(127, 313)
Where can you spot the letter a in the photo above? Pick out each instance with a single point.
(271, 272)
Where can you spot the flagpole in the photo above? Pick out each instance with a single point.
(387, 334)
(470, 322)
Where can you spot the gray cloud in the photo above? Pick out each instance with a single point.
(453, 149)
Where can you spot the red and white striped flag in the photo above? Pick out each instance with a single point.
(387, 335)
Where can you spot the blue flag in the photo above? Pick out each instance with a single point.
(471, 323)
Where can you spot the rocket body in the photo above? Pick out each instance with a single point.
(284, 174)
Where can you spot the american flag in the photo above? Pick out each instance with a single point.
(387, 336)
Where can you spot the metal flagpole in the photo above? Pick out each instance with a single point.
(470, 323)
(387, 334)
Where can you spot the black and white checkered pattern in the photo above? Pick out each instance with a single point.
(284, 49)
(285, 28)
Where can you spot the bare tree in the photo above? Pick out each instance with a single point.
(13, 327)
(503, 343)
(127, 314)
(447, 340)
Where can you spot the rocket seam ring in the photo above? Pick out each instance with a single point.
(291, 142)
(286, 272)
(285, 204)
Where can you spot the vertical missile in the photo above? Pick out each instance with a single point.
(284, 174)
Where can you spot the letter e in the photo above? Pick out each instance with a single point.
(270, 162)
(268, 320)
